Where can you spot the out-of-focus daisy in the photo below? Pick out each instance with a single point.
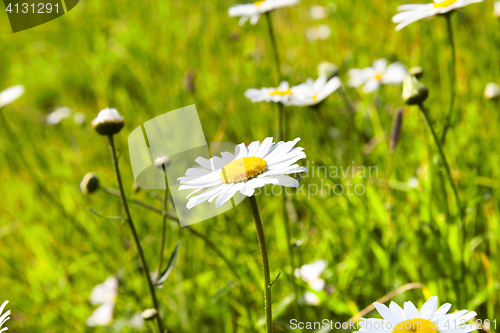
(79, 118)
(311, 298)
(414, 12)
(282, 94)
(427, 320)
(4, 317)
(320, 32)
(9, 95)
(247, 169)
(492, 91)
(496, 8)
(313, 92)
(104, 295)
(372, 77)
(310, 273)
(318, 12)
(57, 115)
(252, 11)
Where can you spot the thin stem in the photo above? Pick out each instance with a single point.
(130, 222)
(274, 46)
(443, 158)
(164, 228)
(453, 77)
(265, 263)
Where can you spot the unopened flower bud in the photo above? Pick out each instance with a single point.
(89, 184)
(414, 92)
(163, 161)
(149, 314)
(492, 91)
(108, 122)
(328, 70)
(417, 72)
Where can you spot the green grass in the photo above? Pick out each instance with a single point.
(132, 55)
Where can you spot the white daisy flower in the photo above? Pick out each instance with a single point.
(57, 115)
(492, 91)
(320, 32)
(310, 273)
(4, 317)
(9, 95)
(105, 295)
(252, 11)
(379, 73)
(311, 298)
(247, 169)
(427, 320)
(282, 94)
(108, 121)
(313, 92)
(496, 9)
(414, 12)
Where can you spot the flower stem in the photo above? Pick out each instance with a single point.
(274, 46)
(265, 263)
(130, 222)
(443, 158)
(453, 78)
(164, 228)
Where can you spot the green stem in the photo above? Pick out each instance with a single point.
(164, 228)
(265, 264)
(274, 46)
(453, 77)
(443, 158)
(130, 222)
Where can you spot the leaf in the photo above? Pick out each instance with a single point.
(277, 277)
(170, 266)
(223, 291)
(106, 217)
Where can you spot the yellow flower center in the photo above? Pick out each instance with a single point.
(315, 96)
(417, 325)
(444, 3)
(258, 3)
(281, 92)
(242, 169)
(378, 76)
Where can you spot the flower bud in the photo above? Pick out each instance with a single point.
(108, 122)
(163, 161)
(149, 314)
(89, 184)
(417, 72)
(492, 91)
(414, 92)
(328, 70)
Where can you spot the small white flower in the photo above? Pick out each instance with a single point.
(320, 32)
(311, 298)
(252, 11)
(57, 115)
(413, 182)
(492, 91)
(108, 121)
(105, 295)
(414, 12)
(162, 161)
(9, 95)
(313, 92)
(427, 320)
(318, 12)
(248, 168)
(379, 73)
(310, 273)
(79, 118)
(282, 94)
(496, 9)
(4, 317)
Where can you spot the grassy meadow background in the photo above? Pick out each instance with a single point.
(134, 56)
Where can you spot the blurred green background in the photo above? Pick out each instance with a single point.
(135, 56)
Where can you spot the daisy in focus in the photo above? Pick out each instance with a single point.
(247, 169)
(9, 95)
(281, 94)
(414, 12)
(372, 77)
(252, 11)
(313, 92)
(427, 320)
(4, 317)
(104, 295)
